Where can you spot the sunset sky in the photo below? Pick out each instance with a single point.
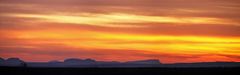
(173, 31)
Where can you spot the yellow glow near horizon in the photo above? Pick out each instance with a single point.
(75, 34)
(98, 40)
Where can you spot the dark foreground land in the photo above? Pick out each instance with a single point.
(118, 71)
(72, 66)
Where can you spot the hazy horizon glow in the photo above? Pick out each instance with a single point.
(172, 31)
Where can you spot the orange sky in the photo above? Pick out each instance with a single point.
(172, 31)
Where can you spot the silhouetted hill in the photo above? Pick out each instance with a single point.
(149, 61)
(1, 60)
(12, 62)
(78, 63)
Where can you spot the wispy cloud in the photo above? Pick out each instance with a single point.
(116, 19)
(169, 30)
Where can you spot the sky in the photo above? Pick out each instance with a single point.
(173, 31)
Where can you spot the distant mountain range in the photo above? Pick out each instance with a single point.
(83, 63)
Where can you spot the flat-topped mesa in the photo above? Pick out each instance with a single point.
(79, 61)
(149, 61)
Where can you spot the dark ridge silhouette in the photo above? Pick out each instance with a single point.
(149, 61)
(12, 62)
(79, 63)
(54, 61)
(1, 60)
